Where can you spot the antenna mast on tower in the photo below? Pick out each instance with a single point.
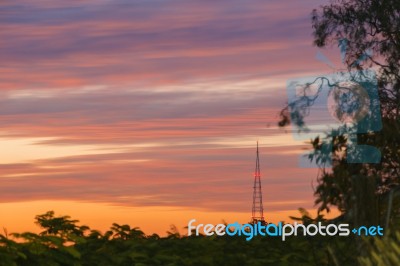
(257, 213)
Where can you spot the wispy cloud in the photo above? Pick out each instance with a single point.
(151, 103)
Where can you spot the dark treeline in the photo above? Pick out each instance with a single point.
(63, 242)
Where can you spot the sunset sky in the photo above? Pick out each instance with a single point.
(148, 112)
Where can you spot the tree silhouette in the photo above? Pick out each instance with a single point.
(360, 191)
(60, 226)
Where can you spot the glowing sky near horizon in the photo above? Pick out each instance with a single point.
(151, 106)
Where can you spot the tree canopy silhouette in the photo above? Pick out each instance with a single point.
(361, 191)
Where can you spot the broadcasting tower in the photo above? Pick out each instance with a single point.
(257, 213)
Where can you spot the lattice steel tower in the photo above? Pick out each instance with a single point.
(257, 213)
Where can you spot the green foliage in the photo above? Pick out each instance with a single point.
(382, 252)
(126, 245)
